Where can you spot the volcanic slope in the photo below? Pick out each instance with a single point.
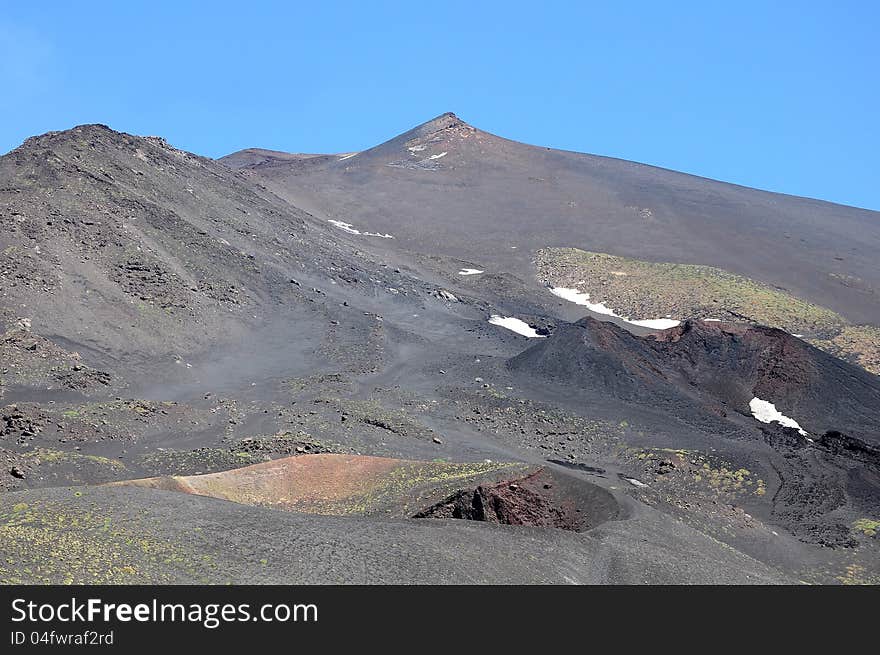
(105, 535)
(448, 187)
(169, 319)
(130, 247)
(819, 454)
(137, 253)
(725, 364)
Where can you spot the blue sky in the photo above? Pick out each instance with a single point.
(777, 95)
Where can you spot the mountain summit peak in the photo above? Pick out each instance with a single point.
(444, 121)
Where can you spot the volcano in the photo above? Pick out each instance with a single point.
(446, 186)
(435, 360)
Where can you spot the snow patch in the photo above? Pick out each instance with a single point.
(348, 227)
(516, 325)
(656, 323)
(766, 412)
(635, 483)
(470, 271)
(583, 298)
(440, 156)
(348, 156)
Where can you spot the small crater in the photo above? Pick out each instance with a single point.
(540, 499)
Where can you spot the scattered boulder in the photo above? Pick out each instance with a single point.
(665, 466)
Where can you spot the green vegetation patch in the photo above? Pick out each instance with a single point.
(60, 467)
(649, 290)
(284, 443)
(857, 344)
(48, 543)
(644, 290)
(194, 462)
(856, 574)
(51, 456)
(693, 468)
(868, 527)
